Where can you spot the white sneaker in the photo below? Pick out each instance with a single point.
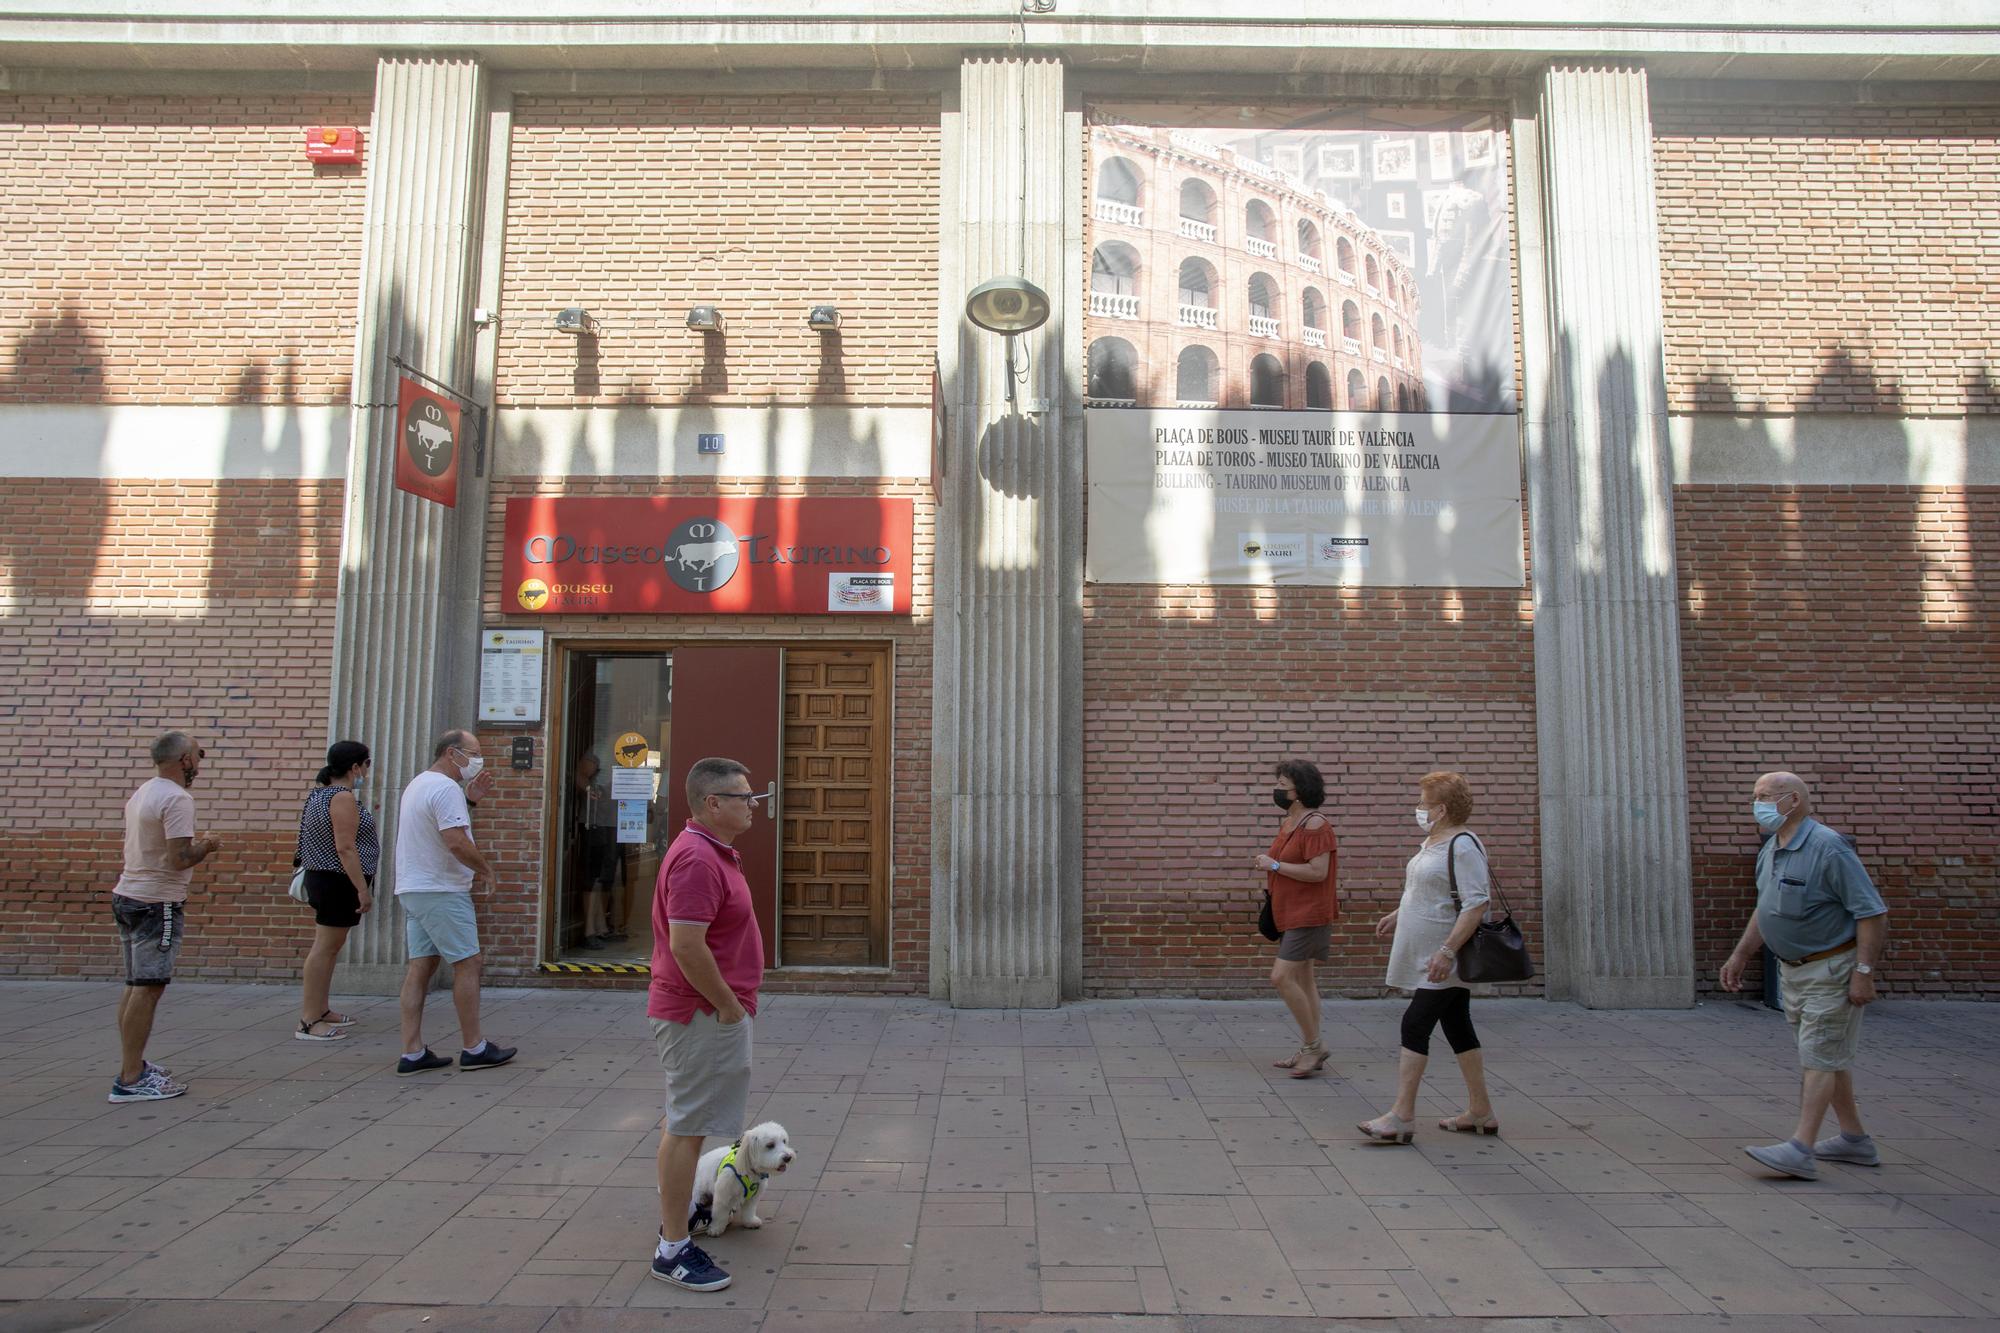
(1838, 1149)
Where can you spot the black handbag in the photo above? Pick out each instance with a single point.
(1267, 923)
(1497, 950)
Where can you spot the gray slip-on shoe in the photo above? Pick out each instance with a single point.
(1786, 1159)
(1838, 1149)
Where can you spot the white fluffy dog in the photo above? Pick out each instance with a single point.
(728, 1180)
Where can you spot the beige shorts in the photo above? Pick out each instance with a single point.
(708, 1074)
(1815, 999)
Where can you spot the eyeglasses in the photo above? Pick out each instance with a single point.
(751, 796)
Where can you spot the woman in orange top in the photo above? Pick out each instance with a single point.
(1299, 873)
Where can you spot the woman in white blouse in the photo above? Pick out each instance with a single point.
(1430, 928)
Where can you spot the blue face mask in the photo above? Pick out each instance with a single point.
(1767, 816)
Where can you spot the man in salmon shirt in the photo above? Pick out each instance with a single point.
(708, 958)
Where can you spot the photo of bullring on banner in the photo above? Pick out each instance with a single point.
(1301, 349)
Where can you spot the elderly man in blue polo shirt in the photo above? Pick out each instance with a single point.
(1821, 915)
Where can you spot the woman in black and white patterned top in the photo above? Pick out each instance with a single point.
(340, 852)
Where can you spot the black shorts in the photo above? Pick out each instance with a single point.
(334, 901)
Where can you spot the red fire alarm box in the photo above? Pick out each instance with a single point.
(333, 144)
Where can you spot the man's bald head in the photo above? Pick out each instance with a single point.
(1773, 785)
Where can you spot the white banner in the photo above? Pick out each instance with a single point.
(1364, 499)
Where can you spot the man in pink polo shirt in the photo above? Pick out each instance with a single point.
(708, 957)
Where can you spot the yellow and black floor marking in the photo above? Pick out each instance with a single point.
(599, 969)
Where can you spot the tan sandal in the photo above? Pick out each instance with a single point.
(1291, 1061)
(1455, 1124)
(1314, 1059)
(1388, 1128)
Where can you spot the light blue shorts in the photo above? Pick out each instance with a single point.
(439, 924)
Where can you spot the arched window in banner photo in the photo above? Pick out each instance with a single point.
(1335, 399)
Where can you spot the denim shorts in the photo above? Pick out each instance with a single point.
(149, 937)
(439, 924)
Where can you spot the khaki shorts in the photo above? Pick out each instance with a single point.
(708, 1075)
(1815, 999)
(1306, 944)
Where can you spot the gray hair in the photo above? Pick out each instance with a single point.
(707, 778)
(171, 747)
(451, 740)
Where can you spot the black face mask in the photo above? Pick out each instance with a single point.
(1281, 798)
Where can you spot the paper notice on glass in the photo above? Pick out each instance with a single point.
(510, 675)
(631, 821)
(631, 784)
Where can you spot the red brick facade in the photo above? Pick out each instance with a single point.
(1820, 259)
(176, 250)
(142, 609)
(638, 208)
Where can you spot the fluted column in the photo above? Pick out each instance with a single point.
(426, 155)
(1615, 867)
(1008, 649)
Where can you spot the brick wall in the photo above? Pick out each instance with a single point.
(143, 607)
(1830, 259)
(637, 208)
(512, 819)
(1849, 634)
(176, 250)
(1191, 695)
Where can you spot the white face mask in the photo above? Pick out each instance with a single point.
(1424, 820)
(473, 764)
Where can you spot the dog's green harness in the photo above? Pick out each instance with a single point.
(728, 1163)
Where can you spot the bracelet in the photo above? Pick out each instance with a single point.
(1447, 951)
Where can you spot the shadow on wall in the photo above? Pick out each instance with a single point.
(63, 339)
(1854, 623)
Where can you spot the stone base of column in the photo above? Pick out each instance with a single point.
(1669, 992)
(369, 978)
(1005, 993)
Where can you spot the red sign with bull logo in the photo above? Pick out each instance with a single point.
(793, 555)
(426, 443)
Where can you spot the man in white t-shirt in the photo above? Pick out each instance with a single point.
(149, 902)
(437, 868)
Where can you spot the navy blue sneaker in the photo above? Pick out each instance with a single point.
(691, 1268)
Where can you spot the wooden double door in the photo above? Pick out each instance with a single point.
(811, 721)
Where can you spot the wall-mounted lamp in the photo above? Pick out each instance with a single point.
(574, 319)
(825, 318)
(707, 318)
(1008, 306)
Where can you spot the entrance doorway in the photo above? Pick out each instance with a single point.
(811, 721)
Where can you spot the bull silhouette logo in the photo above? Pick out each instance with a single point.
(701, 555)
(427, 438)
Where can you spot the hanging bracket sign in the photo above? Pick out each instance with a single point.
(430, 435)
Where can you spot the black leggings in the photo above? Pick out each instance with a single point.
(1451, 1007)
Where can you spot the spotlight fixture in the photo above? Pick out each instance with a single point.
(574, 319)
(707, 318)
(825, 318)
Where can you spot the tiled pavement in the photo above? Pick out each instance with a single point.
(985, 1171)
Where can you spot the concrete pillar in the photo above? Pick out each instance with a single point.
(426, 163)
(1616, 879)
(1007, 761)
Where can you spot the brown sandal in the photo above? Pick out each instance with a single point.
(1291, 1061)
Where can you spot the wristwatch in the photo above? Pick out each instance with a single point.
(1865, 969)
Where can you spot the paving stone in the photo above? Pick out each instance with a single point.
(1484, 1274)
(1092, 1230)
(844, 1227)
(1235, 1273)
(977, 1268)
